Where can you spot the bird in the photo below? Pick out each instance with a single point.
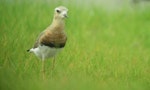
(53, 39)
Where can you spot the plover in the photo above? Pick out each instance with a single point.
(53, 38)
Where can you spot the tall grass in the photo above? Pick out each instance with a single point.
(105, 50)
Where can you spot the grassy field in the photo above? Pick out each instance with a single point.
(105, 50)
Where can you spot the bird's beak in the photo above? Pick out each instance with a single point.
(65, 15)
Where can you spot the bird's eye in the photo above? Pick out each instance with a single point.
(58, 11)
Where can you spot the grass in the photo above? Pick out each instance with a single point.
(105, 50)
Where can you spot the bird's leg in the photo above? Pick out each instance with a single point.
(53, 63)
(43, 69)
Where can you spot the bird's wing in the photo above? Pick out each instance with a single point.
(37, 43)
(52, 39)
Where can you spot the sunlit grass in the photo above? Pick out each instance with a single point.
(105, 50)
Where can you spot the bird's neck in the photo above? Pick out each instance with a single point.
(58, 24)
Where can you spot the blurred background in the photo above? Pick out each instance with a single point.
(108, 45)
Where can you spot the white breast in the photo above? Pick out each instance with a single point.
(44, 52)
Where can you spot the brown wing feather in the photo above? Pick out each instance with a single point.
(37, 43)
(56, 38)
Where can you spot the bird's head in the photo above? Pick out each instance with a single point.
(60, 12)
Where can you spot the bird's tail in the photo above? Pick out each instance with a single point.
(28, 50)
